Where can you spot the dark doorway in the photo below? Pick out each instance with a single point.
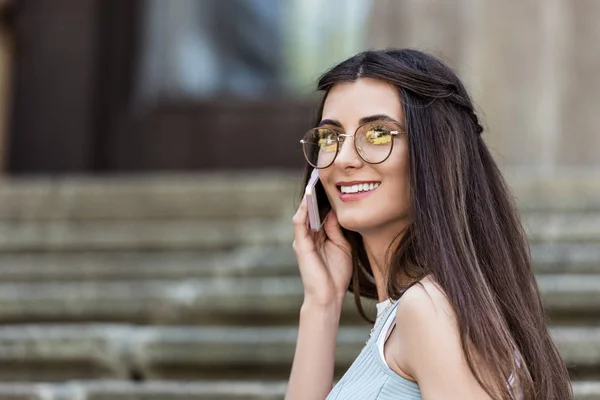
(75, 111)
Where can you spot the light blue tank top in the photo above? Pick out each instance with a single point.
(369, 377)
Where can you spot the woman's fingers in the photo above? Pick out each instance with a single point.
(300, 224)
(334, 230)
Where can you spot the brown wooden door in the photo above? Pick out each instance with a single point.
(73, 109)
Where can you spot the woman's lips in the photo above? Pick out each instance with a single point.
(354, 196)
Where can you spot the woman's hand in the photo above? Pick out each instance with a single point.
(325, 263)
(324, 258)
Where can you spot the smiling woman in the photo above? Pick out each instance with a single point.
(422, 221)
(367, 161)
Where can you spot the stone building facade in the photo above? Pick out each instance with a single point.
(531, 66)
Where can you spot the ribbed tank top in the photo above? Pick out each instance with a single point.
(369, 377)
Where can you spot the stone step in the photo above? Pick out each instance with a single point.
(149, 234)
(123, 265)
(226, 300)
(171, 234)
(205, 390)
(156, 390)
(191, 301)
(586, 390)
(562, 227)
(243, 261)
(202, 195)
(231, 195)
(568, 295)
(561, 192)
(561, 258)
(66, 352)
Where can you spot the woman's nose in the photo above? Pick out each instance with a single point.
(347, 155)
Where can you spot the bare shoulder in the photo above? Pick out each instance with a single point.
(430, 348)
(425, 303)
(424, 315)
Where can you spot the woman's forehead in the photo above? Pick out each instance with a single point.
(347, 102)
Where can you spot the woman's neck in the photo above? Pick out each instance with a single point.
(379, 246)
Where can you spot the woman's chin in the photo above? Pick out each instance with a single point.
(355, 224)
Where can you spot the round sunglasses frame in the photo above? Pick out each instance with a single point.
(345, 135)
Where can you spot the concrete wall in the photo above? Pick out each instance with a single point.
(531, 66)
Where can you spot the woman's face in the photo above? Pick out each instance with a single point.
(385, 207)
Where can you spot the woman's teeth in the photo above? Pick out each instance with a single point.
(361, 187)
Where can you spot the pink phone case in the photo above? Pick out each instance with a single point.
(311, 201)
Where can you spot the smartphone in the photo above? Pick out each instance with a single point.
(317, 211)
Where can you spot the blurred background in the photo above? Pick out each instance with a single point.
(151, 166)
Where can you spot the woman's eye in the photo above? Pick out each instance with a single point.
(379, 135)
(327, 142)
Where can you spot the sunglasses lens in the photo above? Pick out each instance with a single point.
(374, 142)
(320, 147)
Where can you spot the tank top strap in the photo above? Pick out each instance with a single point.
(385, 318)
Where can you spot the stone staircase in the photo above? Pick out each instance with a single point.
(185, 286)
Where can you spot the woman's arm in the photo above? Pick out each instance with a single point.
(325, 264)
(312, 371)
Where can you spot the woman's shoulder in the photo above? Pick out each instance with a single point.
(423, 312)
(429, 336)
(425, 296)
(424, 308)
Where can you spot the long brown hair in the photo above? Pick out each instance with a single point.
(465, 229)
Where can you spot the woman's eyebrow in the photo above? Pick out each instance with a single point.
(333, 122)
(363, 120)
(377, 117)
